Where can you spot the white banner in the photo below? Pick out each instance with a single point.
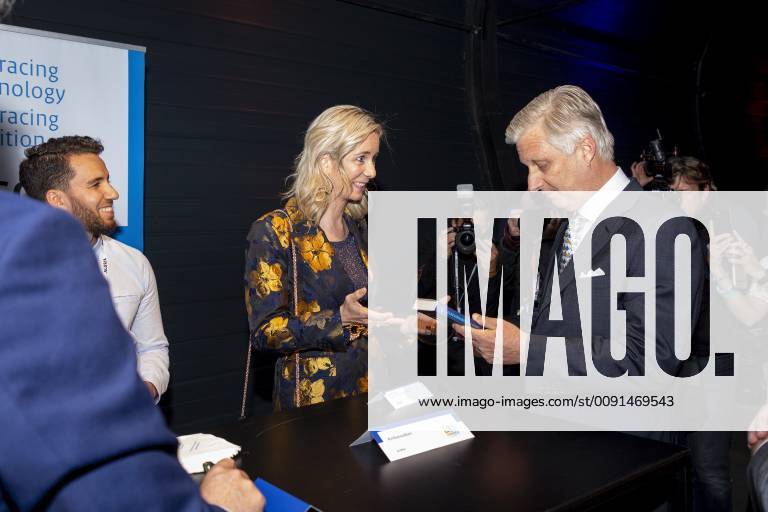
(53, 85)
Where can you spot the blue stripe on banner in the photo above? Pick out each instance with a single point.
(133, 233)
(376, 437)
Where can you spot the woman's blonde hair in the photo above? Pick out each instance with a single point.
(336, 132)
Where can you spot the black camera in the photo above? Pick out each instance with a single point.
(655, 159)
(465, 238)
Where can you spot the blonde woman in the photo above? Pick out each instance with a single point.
(318, 323)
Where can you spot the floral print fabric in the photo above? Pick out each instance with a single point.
(331, 364)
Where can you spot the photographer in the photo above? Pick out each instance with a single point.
(709, 450)
(461, 246)
(731, 255)
(651, 172)
(638, 172)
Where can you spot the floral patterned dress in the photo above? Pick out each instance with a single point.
(322, 359)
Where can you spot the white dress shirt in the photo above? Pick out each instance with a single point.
(134, 295)
(590, 211)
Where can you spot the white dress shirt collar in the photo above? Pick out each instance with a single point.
(600, 200)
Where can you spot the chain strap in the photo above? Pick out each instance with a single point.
(297, 395)
(244, 402)
(297, 391)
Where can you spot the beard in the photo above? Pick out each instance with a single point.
(91, 220)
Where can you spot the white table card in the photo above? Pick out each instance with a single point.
(421, 435)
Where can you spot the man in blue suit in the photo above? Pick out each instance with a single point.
(78, 430)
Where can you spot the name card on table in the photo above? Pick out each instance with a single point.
(419, 436)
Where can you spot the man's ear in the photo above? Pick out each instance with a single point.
(57, 199)
(587, 149)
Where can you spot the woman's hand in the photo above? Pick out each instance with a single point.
(352, 312)
(427, 326)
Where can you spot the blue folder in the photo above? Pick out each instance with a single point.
(280, 501)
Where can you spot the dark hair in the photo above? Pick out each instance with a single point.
(692, 170)
(5, 7)
(47, 165)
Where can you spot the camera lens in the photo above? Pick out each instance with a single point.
(465, 239)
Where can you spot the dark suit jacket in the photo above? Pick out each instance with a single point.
(632, 303)
(78, 430)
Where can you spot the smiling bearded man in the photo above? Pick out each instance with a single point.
(68, 173)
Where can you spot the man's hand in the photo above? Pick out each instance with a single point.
(231, 489)
(638, 172)
(758, 430)
(484, 340)
(450, 239)
(152, 389)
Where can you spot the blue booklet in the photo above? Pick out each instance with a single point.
(280, 501)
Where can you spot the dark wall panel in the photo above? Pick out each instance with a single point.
(633, 105)
(642, 74)
(230, 87)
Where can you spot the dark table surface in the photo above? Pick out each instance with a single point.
(307, 453)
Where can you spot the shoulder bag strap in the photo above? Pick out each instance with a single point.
(249, 354)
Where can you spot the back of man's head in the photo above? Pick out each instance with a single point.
(566, 114)
(47, 165)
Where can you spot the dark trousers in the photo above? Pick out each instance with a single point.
(757, 480)
(711, 471)
(710, 460)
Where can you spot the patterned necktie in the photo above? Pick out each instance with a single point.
(570, 242)
(566, 251)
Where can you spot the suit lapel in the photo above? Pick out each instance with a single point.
(551, 268)
(601, 238)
